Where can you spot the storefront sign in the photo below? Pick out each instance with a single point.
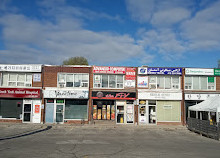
(142, 81)
(164, 71)
(108, 70)
(217, 72)
(19, 93)
(199, 96)
(130, 73)
(197, 71)
(160, 71)
(114, 95)
(20, 68)
(78, 94)
(160, 95)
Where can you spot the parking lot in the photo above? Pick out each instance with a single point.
(103, 141)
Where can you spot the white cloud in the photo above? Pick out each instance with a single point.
(35, 41)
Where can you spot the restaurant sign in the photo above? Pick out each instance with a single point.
(108, 70)
(114, 95)
(19, 93)
(78, 94)
(160, 71)
(21, 68)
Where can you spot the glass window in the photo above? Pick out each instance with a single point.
(29, 78)
(105, 81)
(203, 81)
(119, 81)
(195, 82)
(12, 77)
(69, 80)
(160, 82)
(61, 78)
(112, 81)
(21, 77)
(77, 80)
(76, 109)
(188, 82)
(5, 80)
(11, 108)
(167, 83)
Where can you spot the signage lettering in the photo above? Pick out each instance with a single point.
(21, 68)
(108, 70)
(19, 93)
(114, 95)
(66, 94)
(197, 71)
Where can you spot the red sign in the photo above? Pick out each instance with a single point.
(37, 109)
(19, 93)
(108, 70)
(130, 73)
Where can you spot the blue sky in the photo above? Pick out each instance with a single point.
(172, 33)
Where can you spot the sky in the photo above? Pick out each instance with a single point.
(156, 33)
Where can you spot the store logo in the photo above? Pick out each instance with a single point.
(99, 94)
(142, 70)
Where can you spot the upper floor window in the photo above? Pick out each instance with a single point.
(16, 80)
(199, 83)
(164, 82)
(73, 80)
(108, 81)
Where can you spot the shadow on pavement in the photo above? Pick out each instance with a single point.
(26, 134)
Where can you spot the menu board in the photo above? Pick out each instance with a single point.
(113, 112)
(104, 112)
(94, 112)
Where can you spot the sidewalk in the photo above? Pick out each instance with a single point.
(8, 130)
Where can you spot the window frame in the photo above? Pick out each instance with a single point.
(118, 85)
(64, 83)
(200, 86)
(156, 83)
(26, 82)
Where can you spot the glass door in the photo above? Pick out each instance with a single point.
(120, 113)
(27, 113)
(152, 114)
(59, 114)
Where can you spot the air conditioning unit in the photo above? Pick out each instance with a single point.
(61, 85)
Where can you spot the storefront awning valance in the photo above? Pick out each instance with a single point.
(211, 104)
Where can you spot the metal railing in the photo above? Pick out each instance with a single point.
(204, 127)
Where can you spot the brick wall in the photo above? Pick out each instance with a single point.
(50, 73)
(218, 83)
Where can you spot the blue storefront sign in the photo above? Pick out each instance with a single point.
(160, 71)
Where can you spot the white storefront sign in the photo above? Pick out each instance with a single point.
(160, 95)
(197, 71)
(199, 96)
(20, 68)
(79, 94)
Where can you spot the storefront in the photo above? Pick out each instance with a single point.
(159, 95)
(196, 98)
(115, 106)
(66, 106)
(20, 105)
(159, 107)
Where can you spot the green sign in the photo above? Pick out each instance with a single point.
(211, 79)
(217, 72)
(60, 101)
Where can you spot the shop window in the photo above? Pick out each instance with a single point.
(17, 80)
(108, 81)
(76, 109)
(11, 108)
(164, 82)
(103, 110)
(200, 83)
(73, 80)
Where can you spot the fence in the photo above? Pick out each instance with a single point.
(204, 127)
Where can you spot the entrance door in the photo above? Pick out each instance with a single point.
(152, 114)
(49, 116)
(27, 113)
(59, 114)
(120, 113)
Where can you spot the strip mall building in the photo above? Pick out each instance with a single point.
(93, 94)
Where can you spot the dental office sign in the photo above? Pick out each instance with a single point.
(160, 71)
(196, 71)
(20, 68)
